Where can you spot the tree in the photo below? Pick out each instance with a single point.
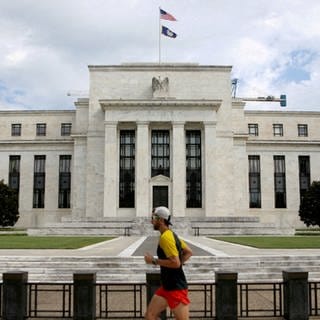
(310, 205)
(9, 213)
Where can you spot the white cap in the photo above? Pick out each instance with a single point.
(162, 212)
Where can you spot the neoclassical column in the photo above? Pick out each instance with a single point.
(111, 163)
(178, 168)
(79, 176)
(209, 174)
(142, 164)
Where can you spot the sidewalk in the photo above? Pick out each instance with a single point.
(137, 246)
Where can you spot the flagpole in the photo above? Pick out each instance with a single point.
(159, 36)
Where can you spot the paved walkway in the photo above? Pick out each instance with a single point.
(137, 246)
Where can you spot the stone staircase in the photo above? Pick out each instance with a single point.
(133, 269)
(242, 225)
(209, 226)
(86, 226)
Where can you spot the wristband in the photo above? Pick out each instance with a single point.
(154, 261)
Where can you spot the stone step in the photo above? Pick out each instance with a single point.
(89, 225)
(97, 220)
(242, 231)
(133, 269)
(232, 225)
(241, 219)
(218, 225)
(110, 231)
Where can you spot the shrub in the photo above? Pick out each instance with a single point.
(310, 205)
(9, 213)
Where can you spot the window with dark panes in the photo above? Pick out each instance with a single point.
(253, 129)
(193, 169)
(127, 169)
(280, 182)
(14, 172)
(64, 181)
(39, 181)
(302, 130)
(16, 129)
(304, 175)
(41, 129)
(254, 182)
(160, 153)
(66, 129)
(278, 130)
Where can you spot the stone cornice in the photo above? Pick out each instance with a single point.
(159, 67)
(44, 142)
(240, 135)
(36, 112)
(112, 103)
(284, 113)
(284, 142)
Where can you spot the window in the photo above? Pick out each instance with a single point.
(41, 129)
(193, 169)
(253, 129)
(39, 181)
(304, 175)
(278, 130)
(127, 169)
(64, 181)
(66, 129)
(302, 130)
(254, 182)
(160, 196)
(16, 129)
(160, 153)
(280, 182)
(14, 172)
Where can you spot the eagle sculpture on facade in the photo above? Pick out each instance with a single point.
(160, 87)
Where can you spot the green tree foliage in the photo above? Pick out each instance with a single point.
(9, 213)
(310, 205)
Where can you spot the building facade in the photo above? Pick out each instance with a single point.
(151, 134)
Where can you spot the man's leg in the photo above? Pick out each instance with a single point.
(155, 307)
(181, 312)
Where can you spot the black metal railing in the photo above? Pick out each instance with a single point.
(1, 300)
(121, 301)
(52, 300)
(129, 301)
(260, 300)
(314, 298)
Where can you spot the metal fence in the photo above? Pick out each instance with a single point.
(314, 298)
(129, 301)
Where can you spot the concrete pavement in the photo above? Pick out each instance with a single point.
(137, 246)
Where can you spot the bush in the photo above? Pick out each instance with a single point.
(9, 212)
(310, 205)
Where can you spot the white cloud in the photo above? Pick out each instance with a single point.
(46, 45)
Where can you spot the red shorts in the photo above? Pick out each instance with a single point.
(174, 297)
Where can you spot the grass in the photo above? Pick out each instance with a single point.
(274, 242)
(29, 242)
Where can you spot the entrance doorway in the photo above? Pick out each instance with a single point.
(160, 196)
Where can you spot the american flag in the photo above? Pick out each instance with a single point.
(166, 16)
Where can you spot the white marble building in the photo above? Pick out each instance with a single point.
(152, 134)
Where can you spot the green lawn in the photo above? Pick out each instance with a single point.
(29, 242)
(274, 242)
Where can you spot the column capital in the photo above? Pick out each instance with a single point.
(210, 123)
(142, 123)
(178, 123)
(111, 123)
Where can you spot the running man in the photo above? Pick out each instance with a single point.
(172, 253)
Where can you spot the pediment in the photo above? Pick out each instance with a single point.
(160, 178)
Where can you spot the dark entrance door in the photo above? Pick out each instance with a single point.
(160, 196)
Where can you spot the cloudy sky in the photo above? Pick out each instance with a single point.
(46, 45)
